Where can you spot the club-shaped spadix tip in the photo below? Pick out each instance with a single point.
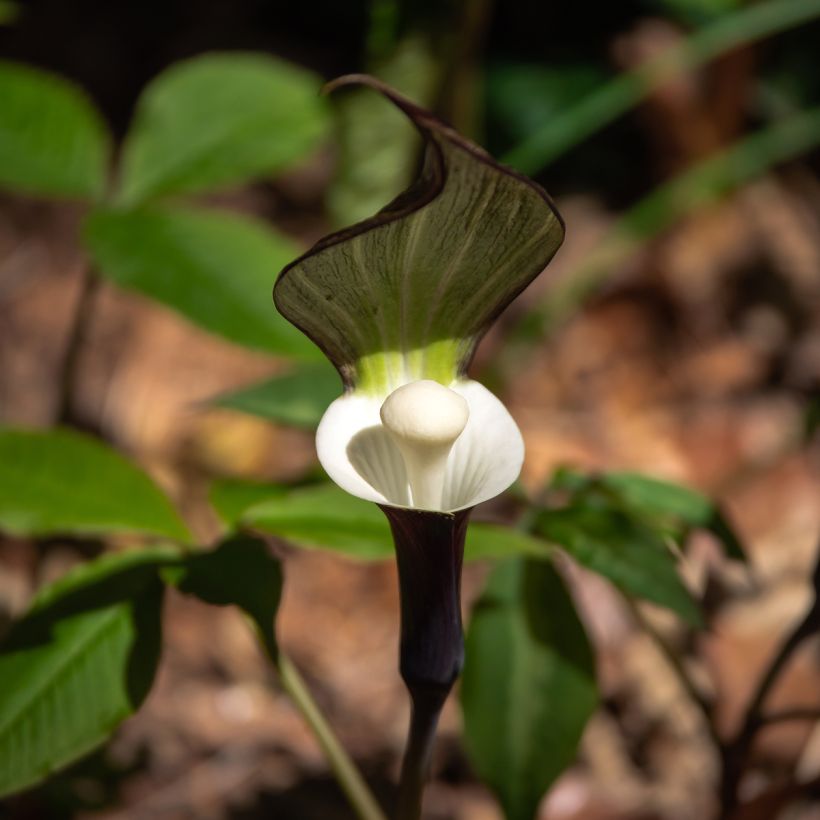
(424, 419)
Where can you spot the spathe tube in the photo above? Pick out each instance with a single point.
(429, 553)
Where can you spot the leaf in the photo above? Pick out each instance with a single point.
(59, 481)
(524, 98)
(213, 268)
(378, 147)
(78, 664)
(231, 497)
(666, 505)
(298, 398)
(241, 571)
(653, 498)
(326, 517)
(632, 556)
(529, 684)
(493, 541)
(52, 140)
(413, 289)
(218, 120)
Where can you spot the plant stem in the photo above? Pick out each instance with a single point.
(344, 769)
(628, 89)
(415, 769)
(677, 666)
(73, 346)
(735, 753)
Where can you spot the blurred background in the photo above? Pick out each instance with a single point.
(677, 333)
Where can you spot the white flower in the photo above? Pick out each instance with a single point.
(359, 454)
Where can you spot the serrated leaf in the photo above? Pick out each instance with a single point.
(218, 120)
(630, 555)
(214, 268)
(326, 517)
(60, 481)
(52, 140)
(411, 290)
(241, 571)
(529, 684)
(298, 398)
(78, 664)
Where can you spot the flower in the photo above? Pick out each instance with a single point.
(399, 303)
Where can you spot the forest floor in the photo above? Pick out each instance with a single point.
(692, 364)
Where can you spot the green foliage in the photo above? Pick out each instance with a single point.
(671, 510)
(85, 655)
(52, 140)
(215, 269)
(78, 664)
(217, 120)
(379, 148)
(697, 11)
(526, 97)
(325, 517)
(611, 100)
(529, 684)
(298, 398)
(58, 481)
(230, 497)
(632, 556)
(241, 571)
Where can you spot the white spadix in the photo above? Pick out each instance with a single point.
(424, 419)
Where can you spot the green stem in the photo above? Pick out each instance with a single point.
(739, 28)
(344, 769)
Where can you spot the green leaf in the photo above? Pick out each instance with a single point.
(529, 684)
(78, 664)
(632, 556)
(412, 290)
(326, 517)
(52, 140)
(653, 498)
(493, 541)
(666, 506)
(523, 98)
(298, 398)
(241, 571)
(378, 147)
(218, 120)
(213, 268)
(231, 497)
(59, 481)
